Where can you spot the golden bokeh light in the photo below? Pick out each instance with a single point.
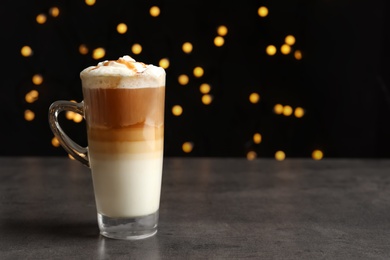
(280, 155)
(187, 147)
(187, 47)
(136, 48)
(262, 11)
(205, 88)
(121, 28)
(251, 155)
(270, 50)
(98, 53)
(299, 112)
(290, 40)
(298, 55)
(285, 49)
(278, 109)
(26, 51)
(32, 96)
(183, 79)
(317, 155)
(154, 11)
(71, 157)
(69, 115)
(219, 41)
(41, 18)
(29, 98)
(164, 63)
(257, 138)
(55, 142)
(222, 30)
(287, 110)
(83, 49)
(198, 72)
(29, 115)
(90, 2)
(207, 99)
(37, 79)
(177, 110)
(54, 11)
(77, 118)
(254, 98)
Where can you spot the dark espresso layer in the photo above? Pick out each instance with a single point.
(123, 108)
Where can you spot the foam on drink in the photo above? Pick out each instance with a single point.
(124, 110)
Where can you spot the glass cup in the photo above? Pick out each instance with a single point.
(125, 129)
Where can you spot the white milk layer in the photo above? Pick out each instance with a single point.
(127, 185)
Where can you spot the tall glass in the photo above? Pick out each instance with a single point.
(125, 127)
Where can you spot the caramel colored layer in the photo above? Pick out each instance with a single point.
(118, 107)
(138, 150)
(139, 132)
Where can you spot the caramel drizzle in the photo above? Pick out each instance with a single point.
(129, 65)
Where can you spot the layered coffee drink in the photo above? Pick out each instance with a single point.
(124, 111)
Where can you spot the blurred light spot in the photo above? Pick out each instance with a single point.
(290, 40)
(54, 11)
(121, 28)
(270, 50)
(37, 79)
(29, 115)
(257, 138)
(219, 41)
(207, 99)
(198, 72)
(183, 79)
(83, 49)
(262, 11)
(287, 110)
(41, 18)
(98, 53)
(298, 55)
(73, 101)
(280, 155)
(187, 147)
(71, 157)
(136, 48)
(55, 142)
(177, 110)
(164, 63)
(254, 98)
(317, 155)
(299, 112)
(154, 11)
(26, 51)
(187, 47)
(251, 155)
(278, 109)
(77, 118)
(285, 49)
(69, 115)
(31, 96)
(222, 30)
(204, 88)
(90, 2)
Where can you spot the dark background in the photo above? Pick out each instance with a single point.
(342, 81)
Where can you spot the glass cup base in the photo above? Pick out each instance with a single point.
(128, 228)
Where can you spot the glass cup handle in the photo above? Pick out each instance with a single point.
(78, 152)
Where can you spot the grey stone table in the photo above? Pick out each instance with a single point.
(210, 209)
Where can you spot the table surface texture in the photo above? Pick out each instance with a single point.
(211, 208)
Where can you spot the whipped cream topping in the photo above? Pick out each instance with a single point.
(123, 73)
